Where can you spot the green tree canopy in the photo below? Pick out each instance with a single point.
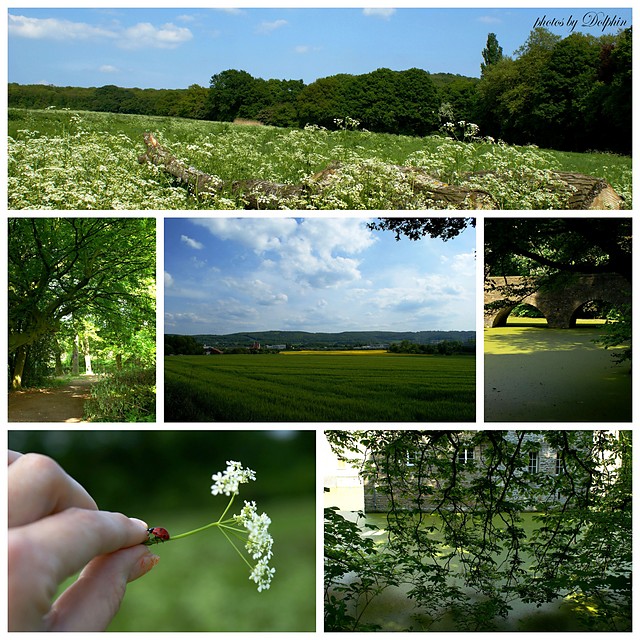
(416, 228)
(455, 504)
(543, 246)
(491, 54)
(63, 268)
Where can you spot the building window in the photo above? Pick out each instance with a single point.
(534, 462)
(411, 458)
(465, 455)
(558, 463)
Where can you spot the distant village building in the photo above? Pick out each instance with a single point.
(371, 347)
(211, 351)
(276, 347)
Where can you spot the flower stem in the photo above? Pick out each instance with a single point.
(190, 533)
(218, 523)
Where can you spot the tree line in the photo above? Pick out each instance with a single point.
(442, 348)
(570, 93)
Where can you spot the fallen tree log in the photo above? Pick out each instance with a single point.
(581, 191)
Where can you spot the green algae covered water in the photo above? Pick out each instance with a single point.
(394, 611)
(536, 374)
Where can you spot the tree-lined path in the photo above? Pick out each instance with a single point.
(52, 404)
(81, 295)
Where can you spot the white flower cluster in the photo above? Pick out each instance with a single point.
(258, 544)
(228, 480)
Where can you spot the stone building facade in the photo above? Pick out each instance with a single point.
(539, 458)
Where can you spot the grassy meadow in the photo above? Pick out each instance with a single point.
(60, 159)
(320, 387)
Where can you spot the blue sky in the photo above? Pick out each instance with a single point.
(225, 275)
(174, 48)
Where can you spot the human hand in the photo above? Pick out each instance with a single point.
(56, 529)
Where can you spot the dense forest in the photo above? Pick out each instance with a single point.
(570, 93)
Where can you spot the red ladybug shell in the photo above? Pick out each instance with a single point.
(158, 533)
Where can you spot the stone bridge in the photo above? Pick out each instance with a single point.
(558, 300)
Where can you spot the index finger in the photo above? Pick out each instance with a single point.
(38, 487)
(61, 544)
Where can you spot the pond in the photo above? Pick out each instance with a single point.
(393, 610)
(534, 373)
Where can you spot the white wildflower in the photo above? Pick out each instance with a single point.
(227, 481)
(262, 574)
(259, 543)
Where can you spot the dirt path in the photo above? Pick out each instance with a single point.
(54, 404)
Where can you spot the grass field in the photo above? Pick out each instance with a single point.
(61, 159)
(320, 387)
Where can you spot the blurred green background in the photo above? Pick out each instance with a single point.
(164, 478)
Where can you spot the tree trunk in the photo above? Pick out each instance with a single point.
(75, 366)
(261, 194)
(59, 369)
(119, 361)
(582, 191)
(18, 369)
(87, 355)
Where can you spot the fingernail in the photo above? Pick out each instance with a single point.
(141, 522)
(144, 565)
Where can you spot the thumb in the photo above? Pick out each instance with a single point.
(92, 601)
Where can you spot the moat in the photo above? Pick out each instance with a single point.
(534, 373)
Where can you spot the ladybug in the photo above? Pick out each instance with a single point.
(157, 534)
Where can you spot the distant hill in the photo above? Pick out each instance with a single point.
(345, 339)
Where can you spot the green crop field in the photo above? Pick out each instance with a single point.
(320, 388)
(60, 159)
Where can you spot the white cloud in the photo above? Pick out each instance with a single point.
(198, 264)
(462, 264)
(108, 68)
(303, 49)
(269, 27)
(263, 294)
(313, 253)
(168, 279)
(53, 29)
(320, 274)
(260, 235)
(141, 35)
(385, 14)
(489, 20)
(145, 35)
(190, 242)
(182, 319)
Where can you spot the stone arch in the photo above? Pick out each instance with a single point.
(502, 315)
(558, 302)
(578, 311)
